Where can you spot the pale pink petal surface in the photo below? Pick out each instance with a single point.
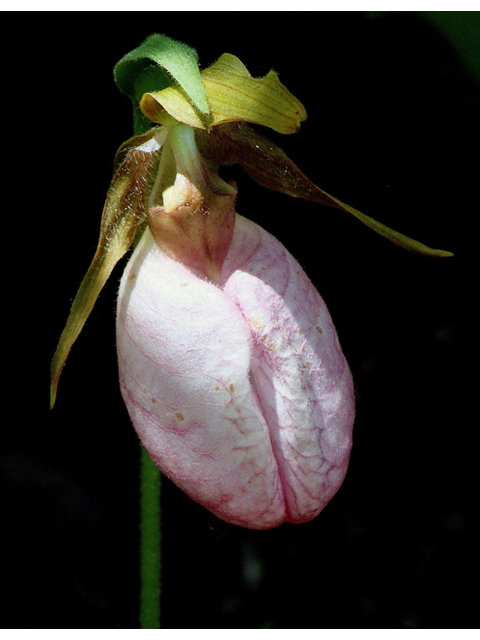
(239, 390)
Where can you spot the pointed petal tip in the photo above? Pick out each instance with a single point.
(53, 390)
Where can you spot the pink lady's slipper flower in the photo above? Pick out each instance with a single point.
(230, 366)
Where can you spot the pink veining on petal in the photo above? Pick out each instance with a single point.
(238, 390)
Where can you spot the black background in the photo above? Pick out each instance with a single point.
(393, 130)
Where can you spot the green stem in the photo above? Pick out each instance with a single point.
(150, 543)
(150, 476)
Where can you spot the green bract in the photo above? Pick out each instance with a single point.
(152, 66)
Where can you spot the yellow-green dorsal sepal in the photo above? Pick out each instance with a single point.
(233, 96)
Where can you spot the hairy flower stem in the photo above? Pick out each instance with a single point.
(150, 543)
(150, 529)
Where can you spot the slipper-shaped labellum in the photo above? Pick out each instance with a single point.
(238, 389)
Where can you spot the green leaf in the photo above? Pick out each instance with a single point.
(123, 213)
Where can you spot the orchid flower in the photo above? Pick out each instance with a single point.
(229, 362)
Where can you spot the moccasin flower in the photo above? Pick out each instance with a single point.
(229, 362)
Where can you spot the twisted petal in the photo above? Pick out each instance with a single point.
(266, 163)
(124, 211)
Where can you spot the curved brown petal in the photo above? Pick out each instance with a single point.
(124, 211)
(266, 163)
